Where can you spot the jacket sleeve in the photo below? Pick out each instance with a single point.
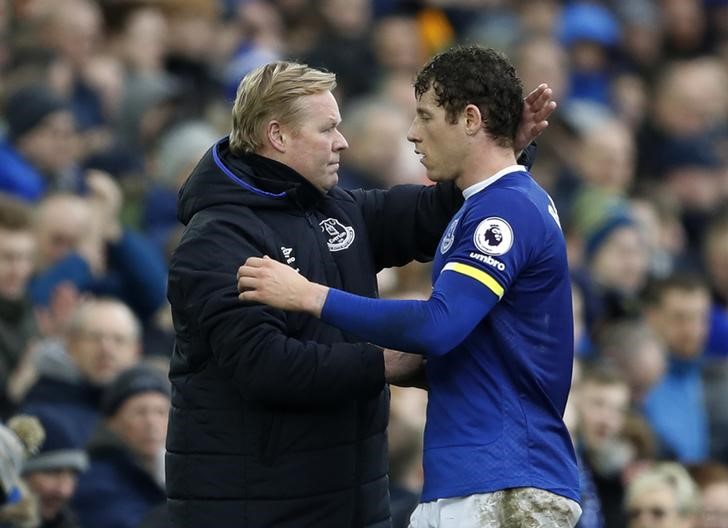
(406, 222)
(250, 342)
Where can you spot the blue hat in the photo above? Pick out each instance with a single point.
(681, 153)
(58, 451)
(28, 107)
(596, 238)
(588, 22)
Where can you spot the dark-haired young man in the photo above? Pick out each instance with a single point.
(497, 330)
(283, 418)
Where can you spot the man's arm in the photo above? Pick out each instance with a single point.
(250, 343)
(432, 327)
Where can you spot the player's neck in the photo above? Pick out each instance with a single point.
(482, 164)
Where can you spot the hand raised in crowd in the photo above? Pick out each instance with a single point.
(53, 320)
(106, 200)
(537, 107)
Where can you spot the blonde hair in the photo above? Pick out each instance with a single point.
(273, 91)
(668, 475)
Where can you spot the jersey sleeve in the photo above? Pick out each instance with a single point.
(495, 239)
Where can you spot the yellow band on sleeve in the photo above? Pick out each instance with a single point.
(476, 274)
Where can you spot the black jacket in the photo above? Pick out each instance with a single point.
(279, 420)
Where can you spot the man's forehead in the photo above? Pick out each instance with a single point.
(427, 96)
(322, 105)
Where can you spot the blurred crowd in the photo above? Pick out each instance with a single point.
(106, 105)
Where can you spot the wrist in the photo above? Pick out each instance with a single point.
(315, 299)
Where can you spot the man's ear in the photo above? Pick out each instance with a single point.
(276, 136)
(473, 119)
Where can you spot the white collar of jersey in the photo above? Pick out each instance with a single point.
(477, 187)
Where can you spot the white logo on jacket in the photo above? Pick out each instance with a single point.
(493, 236)
(340, 236)
(288, 255)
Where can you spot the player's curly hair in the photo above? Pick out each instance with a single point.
(475, 75)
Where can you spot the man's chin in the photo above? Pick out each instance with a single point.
(434, 176)
(331, 182)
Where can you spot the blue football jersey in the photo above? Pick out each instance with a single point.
(496, 401)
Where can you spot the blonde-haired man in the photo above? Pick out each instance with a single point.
(279, 420)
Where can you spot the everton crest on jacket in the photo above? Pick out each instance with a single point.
(279, 420)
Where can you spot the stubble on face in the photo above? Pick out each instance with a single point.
(437, 139)
(315, 142)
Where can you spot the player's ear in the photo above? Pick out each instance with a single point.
(473, 119)
(275, 136)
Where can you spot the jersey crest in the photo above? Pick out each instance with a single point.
(340, 236)
(449, 237)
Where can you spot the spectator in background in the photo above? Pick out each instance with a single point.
(260, 39)
(103, 339)
(376, 130)
(691, 171)
(17, 322)
(685, 28)
(138, 35)
(712, 480)
(39, 152)
(663, 495)
(344, 45)
(615, 267)
(149, 105)
(715, 255)
(192, 53)
(638, 354)
(678, 311)
(658, 218)
(125, 479)
(399, 44)
(64, 224)
(606, 158)
(715, 374)
(589, 32)
(602, 402)
(179, 151)
(52, 472)
(101, 257)
(74, 32)
(679, 145)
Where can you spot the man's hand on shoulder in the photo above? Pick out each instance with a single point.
(537, 107)
(270, 282)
